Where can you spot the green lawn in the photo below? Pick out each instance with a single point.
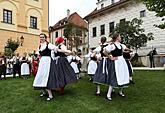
(146, 96)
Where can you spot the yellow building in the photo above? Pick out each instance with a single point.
(23, 19)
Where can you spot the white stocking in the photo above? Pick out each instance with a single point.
(109, 91)
(98, 89)
(50, 93)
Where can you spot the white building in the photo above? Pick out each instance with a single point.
(110, 12)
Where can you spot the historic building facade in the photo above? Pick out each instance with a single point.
(78, 27)
(23, 20)
(108, 13)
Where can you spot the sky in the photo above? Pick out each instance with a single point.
(58, 8)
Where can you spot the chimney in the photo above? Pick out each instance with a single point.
(68, 13)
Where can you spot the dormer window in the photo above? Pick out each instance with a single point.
(112, 1)
(102, 5)
(62, 23)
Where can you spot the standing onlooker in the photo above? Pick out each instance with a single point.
(2, 66)
(30, 60)
(79, 63)
(151, 57)
(35, 63)
(25, 71)
(162, 60)
(16, 66)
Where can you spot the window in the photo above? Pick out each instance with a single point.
(143, 13)
(112, 1)
(111, 27)
(56, 34)
(33, 22)
(81, 41)
(102, 30)
(7, 16)
(122, 20)
(78, 32)
(94, 31)
(102, 5)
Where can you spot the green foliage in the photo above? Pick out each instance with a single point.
(135, 61)
(159, 7)
(132, 33)
(11, 46)
(68, 31)
(73, 34)
(146, 96)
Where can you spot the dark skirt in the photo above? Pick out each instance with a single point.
(105, 74)
(129, 68)
(54, 79)
(61, 74)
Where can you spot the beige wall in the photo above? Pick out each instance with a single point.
(21, 12)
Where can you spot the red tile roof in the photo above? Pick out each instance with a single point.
(74, 18)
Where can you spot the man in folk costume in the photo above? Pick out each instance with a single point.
(41, 80)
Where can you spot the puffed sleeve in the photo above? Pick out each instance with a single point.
(123, 46)
(110, 48)
(78, 58)
(69, 58)
(63, 47)
(88, 55)
(97, 50)
(52, 47)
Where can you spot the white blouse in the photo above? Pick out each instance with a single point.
(50, 46)
(112, 47)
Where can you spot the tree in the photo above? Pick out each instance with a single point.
(159, 7)
(73, 33)
(11, 46)
(132, 33)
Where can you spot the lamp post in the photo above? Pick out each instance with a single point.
(21, 40)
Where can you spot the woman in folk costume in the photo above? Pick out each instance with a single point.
(92, 63)
(102, 76)
(118, 71)
(35, 63)
(61, 71)
(25, 70)
(74, 60)
(41, 80)
(127, 57)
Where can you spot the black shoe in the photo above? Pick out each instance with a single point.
(97, 94)
(43, 94)
(49, 99)
(109, 98)
(121, 94)
(132, 82)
